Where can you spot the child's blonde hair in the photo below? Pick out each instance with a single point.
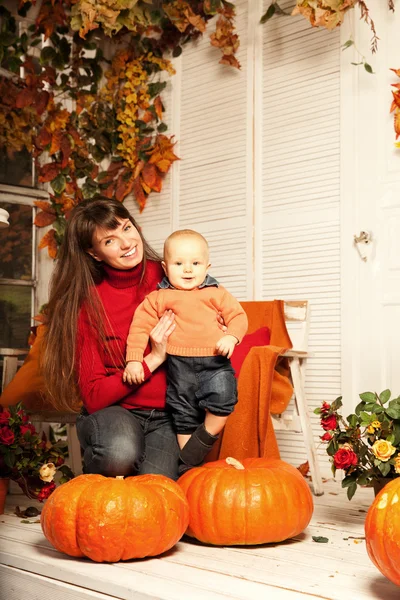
(181, 233)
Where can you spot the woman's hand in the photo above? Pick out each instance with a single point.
(158, 339)
(221, 322)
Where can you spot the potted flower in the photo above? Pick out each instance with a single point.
(28, 458)
(366, 444)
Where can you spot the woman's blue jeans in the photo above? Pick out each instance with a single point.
(117, 441)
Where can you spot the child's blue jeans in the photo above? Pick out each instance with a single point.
(196, 384)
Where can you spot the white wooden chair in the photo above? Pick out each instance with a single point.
(297, 417)
(12, 359)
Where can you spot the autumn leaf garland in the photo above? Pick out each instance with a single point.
(118, 107)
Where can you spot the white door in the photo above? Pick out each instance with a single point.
(370, 203)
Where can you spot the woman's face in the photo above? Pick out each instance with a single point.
(121, 248)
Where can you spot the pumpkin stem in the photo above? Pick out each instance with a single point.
(235, 463)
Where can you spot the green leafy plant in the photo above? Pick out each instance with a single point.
(366, 444)
(28, 458)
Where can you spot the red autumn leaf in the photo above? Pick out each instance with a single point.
(304, 469)
(94, 172)
(123, 187)
(50, 242)
(75, 136)
(26, 97)
(45, 206)
(43, 138)
(159, 107)
(43, 219)
(114, 166)
(41, 101)
(49, 172)
(139, 194)
(66, 149)
(109, 191)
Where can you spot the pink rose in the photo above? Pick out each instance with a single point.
(6, 435)
(329, 423)
(345, 458)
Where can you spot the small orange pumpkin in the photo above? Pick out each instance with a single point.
(254, 502)
(109, 519)
(382, 531)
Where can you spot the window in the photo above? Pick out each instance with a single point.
(17, 267)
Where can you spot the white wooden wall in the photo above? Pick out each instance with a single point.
(260, 177)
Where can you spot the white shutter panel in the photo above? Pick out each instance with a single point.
(298, 195)
(215, 183)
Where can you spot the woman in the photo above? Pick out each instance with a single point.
(105, 269)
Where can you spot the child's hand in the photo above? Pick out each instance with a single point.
(226, 345)
(134, 372)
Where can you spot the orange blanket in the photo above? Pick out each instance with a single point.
(263, 387)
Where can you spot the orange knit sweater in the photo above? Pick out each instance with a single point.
(197, 331)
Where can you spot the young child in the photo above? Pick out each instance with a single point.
(200, 376)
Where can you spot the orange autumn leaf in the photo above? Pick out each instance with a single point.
(146, 188)
(56, 142)
(43, 219)
(45, 206)
(49, 172)
(147, 116)
(49, 241)
(397, 71)
(397, 123)
(396, 98)
(195, 20)
(158, 107)
(230, 60)
(59, 120)
(139, 166)
(151, 177)
(123, 187)
(139, 193)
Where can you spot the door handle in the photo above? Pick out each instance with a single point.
(365, 237)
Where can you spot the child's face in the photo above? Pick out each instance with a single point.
(186, 262)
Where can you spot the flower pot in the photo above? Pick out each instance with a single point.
(4, 481)
(379, 484)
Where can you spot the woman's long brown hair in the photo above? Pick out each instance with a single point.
(72, 285)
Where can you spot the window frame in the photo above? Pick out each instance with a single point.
(25, 196)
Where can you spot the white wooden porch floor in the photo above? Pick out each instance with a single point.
(300, 568)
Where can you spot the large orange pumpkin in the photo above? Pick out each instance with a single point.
(382, 531)
(109, 519)
(253, 502)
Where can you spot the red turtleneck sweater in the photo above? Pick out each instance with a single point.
(100, 382)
